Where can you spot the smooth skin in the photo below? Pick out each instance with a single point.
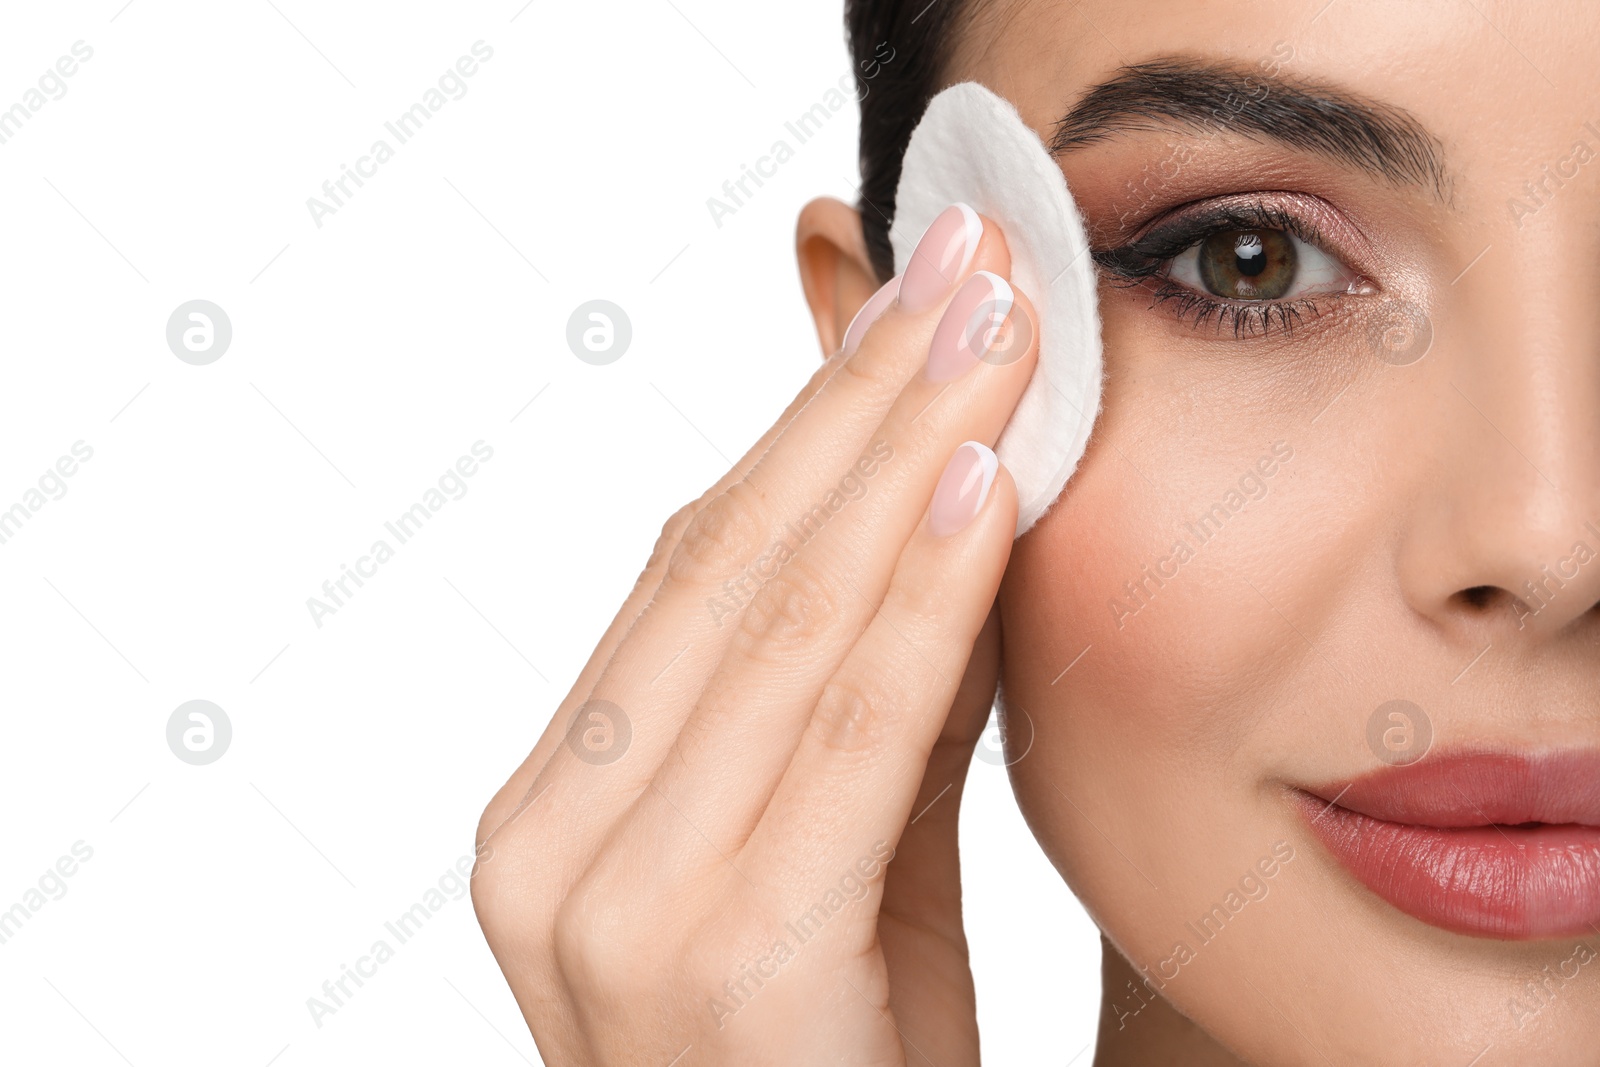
(777, 755)
(1383, 560)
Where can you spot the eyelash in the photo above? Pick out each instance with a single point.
(1143, 262)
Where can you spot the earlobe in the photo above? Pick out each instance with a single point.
(835, 270)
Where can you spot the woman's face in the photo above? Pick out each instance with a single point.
(1349, 454)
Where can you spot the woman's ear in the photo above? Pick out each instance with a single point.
(835, 269)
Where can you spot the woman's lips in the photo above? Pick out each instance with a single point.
(1480, 843)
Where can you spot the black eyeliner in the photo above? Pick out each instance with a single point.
(1146, 254)
(1142, 262)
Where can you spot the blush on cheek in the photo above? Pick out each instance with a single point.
(1076, 657)
(1142, 717)
(1124, 628)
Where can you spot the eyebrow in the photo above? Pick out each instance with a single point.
(1369, 136)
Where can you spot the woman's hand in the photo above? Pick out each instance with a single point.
(693, 864)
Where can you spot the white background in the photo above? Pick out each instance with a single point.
(428, 313)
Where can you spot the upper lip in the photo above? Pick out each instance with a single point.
(1462, 789)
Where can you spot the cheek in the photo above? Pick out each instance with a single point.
(1166, 693)
(1144, 577)
(1213, 526)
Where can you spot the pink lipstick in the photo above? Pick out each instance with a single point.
(1488, 844)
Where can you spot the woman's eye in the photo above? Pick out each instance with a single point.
(1258, 265)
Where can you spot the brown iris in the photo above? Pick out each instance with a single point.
(1248, 264)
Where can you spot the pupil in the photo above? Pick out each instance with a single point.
(1255, 264)
(1249, 256)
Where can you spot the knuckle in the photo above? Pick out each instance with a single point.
(794, 607)
(592, 941)
(921, 609)
(500, 810)
(719, 537)
(500, 871)
(484, 884)
(489, 818)
(496, 899)
(514, 890)
(872, 374)
(671, 533)
(853, 716)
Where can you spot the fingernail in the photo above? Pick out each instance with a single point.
(970, 326)
(875, 305)
(962, 489)
(941, 256)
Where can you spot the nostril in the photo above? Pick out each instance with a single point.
(1481, 603)
(1482, 596)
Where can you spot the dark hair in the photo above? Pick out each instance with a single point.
(918, 36)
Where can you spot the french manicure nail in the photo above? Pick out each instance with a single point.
(962, 489)
(874, 307)
(971, 325)
(941, 256)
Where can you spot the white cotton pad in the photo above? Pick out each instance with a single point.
(972, 147)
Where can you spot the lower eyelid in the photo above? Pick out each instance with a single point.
(1245, 319)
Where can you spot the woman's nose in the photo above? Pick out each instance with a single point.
(1503, 533)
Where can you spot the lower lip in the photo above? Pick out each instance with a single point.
(1509, 882)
